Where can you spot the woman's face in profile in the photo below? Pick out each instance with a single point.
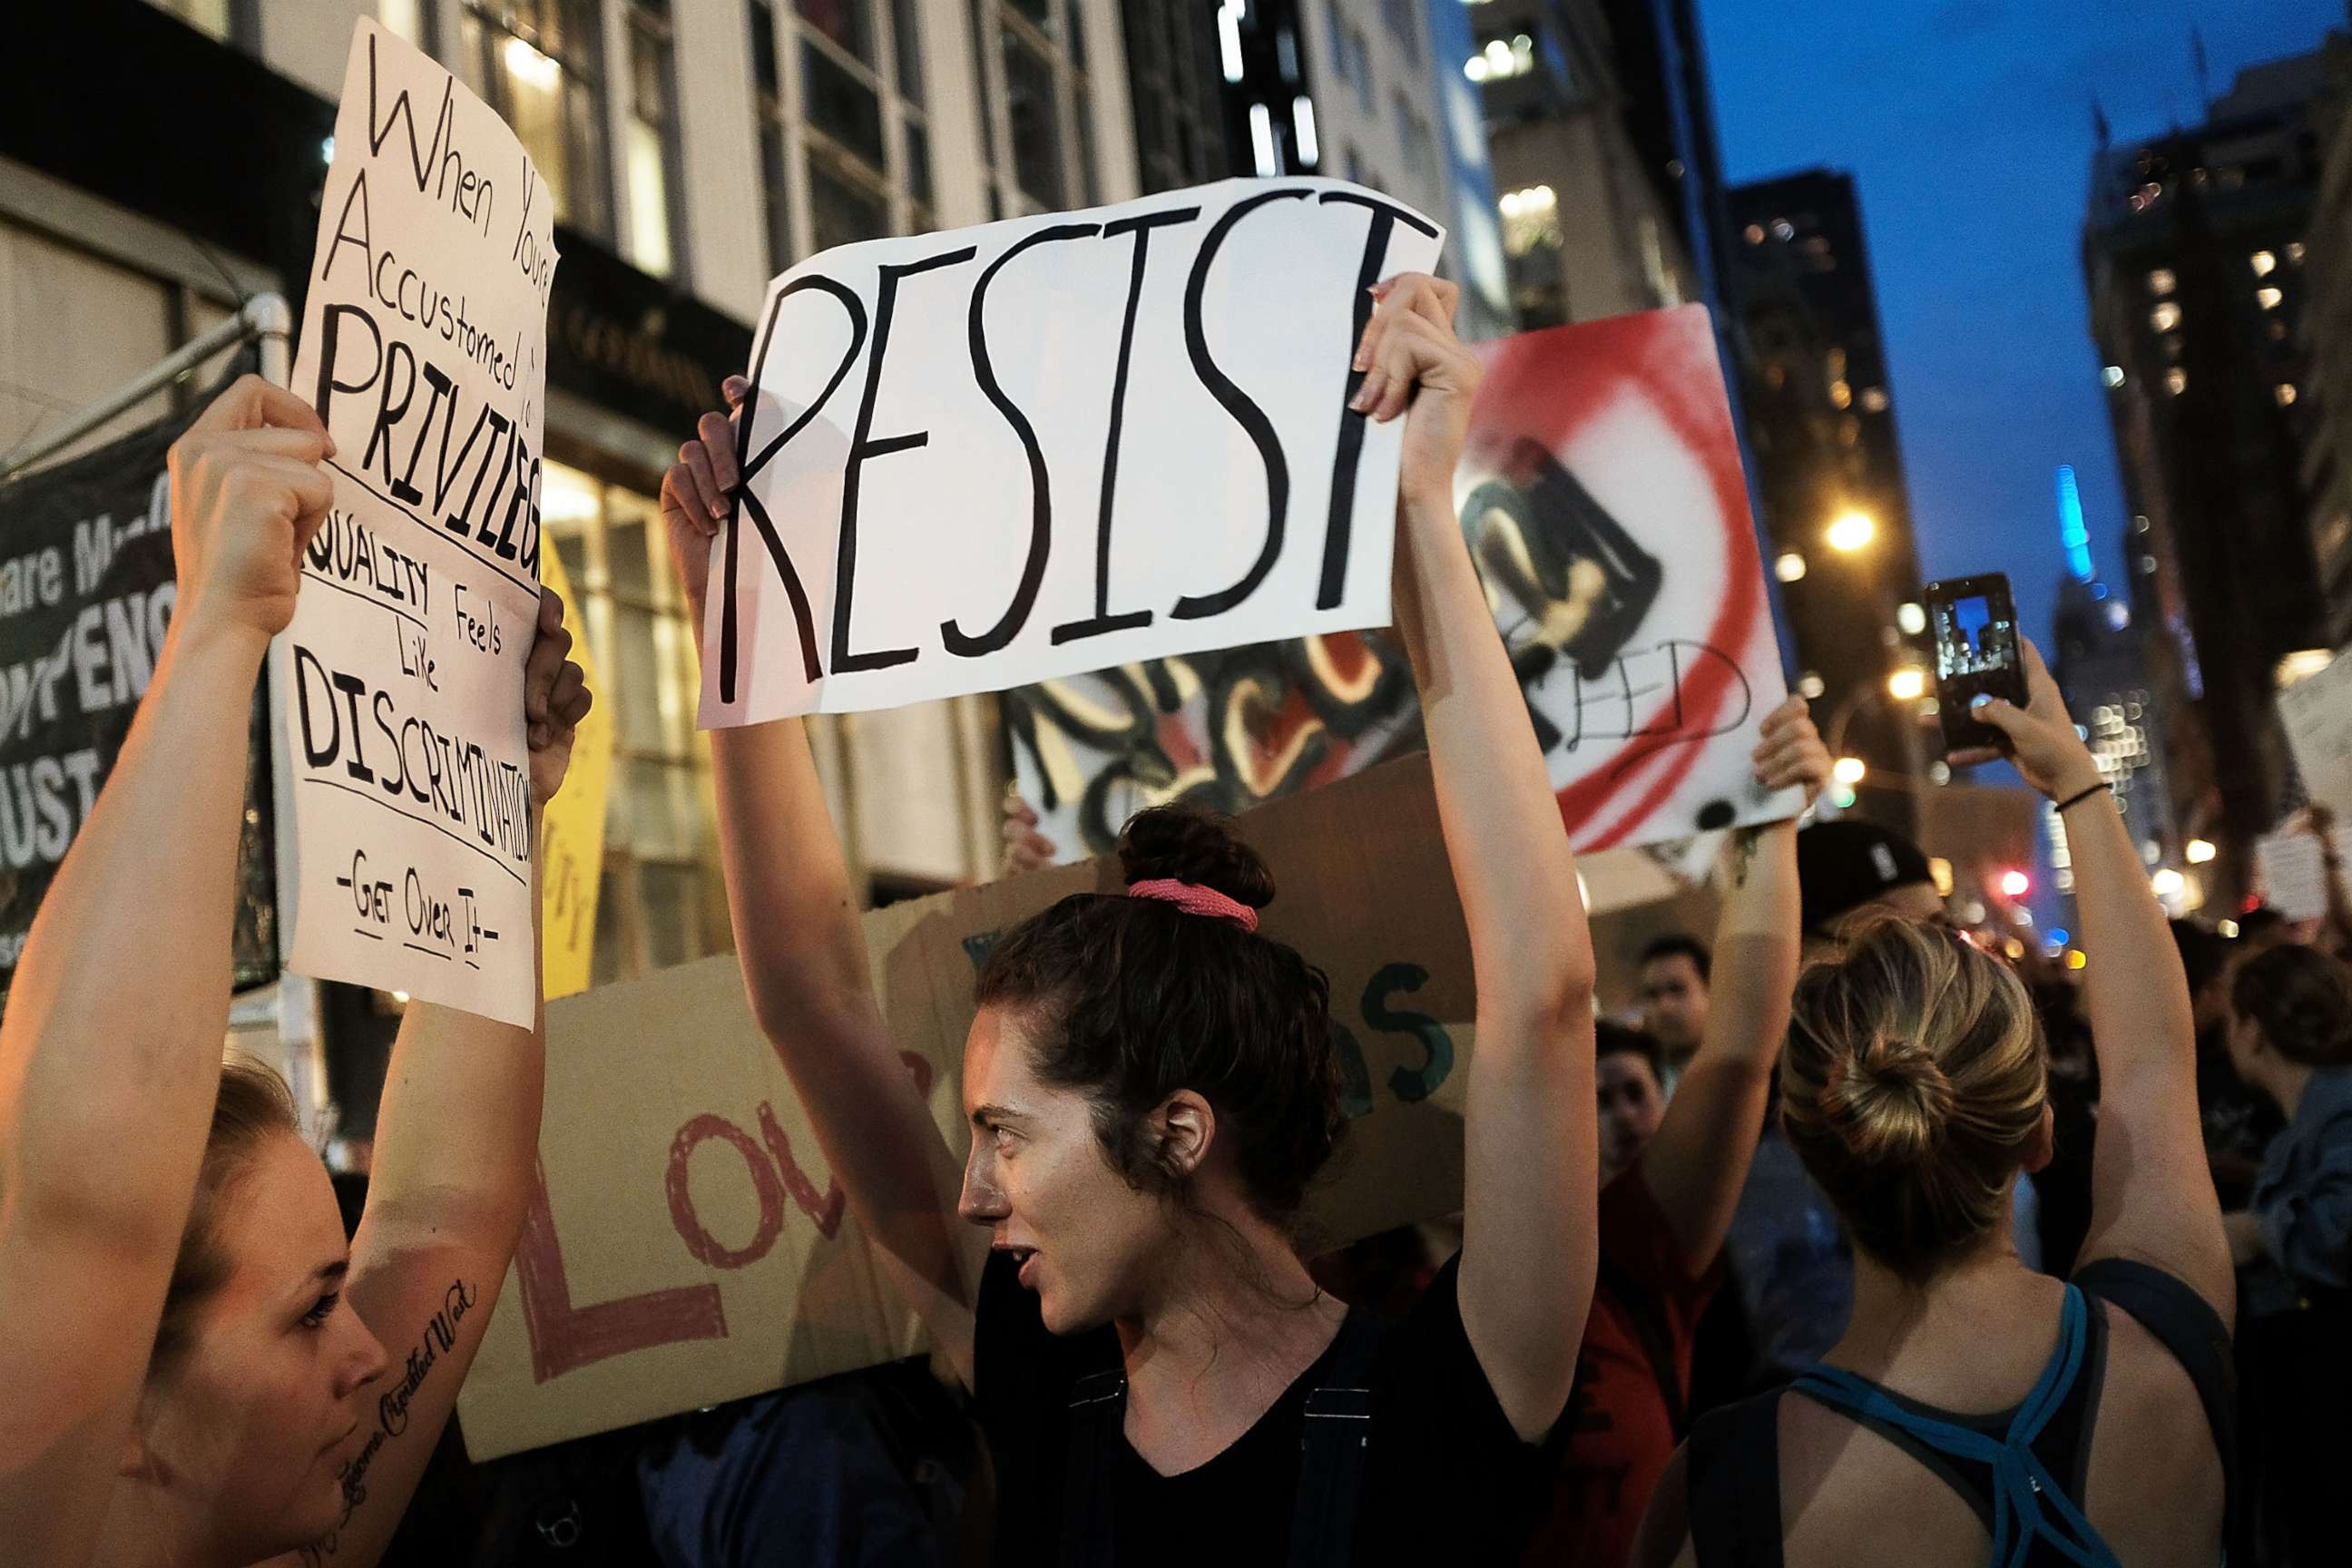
(273, 1396)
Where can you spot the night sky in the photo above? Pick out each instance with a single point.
(1967, 126)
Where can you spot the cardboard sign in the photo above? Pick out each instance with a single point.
(1601, 492)
(1054, 444)
(2317, 713)
(688, 1245)
(423, 348)
(2294, 874)
(571, 828)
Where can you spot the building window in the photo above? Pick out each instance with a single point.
(843, 121)
(2269, 299)
(2175, 381)
(1035, 104)
(2166, 317)
(2266, 263)
(1361, 72)
(2162, 283)
(2286, 394)
(413, 21)
(2294, 253)
(1404, 19)
(652, 157)
(662, 902)
(540, 66)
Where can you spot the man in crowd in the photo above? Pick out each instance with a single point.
(1673, 983)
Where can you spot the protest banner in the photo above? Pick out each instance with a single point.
(1056, 444)
(423, 348)
(688, 1245)
(1601, 489)
(571, 828)
(87, 589)
(2317, 713)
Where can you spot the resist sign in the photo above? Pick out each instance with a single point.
(423, 348)
(1055, 444)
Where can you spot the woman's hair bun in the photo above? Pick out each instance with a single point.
(1889, 1103)
(1192, 843)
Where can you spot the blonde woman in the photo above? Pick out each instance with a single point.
(1976, 1411)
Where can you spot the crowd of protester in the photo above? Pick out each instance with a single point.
(1848, 1240)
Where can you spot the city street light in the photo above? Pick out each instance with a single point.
(1907, 684)
(1789, 567)
(1851, 771)
(2200, 850)
(1851, 532)
(2167, 883)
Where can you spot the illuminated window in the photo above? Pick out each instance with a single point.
(2269, 299)
(2166, 317)
(860, 150)
(1840, 394)
(2175, 381)
(1530, 220)
(650, 160)
(2264, 263)
(2162, 283)
(1755, 234)
(1783, 230)
(2113, 376)
(1874, 400)
(2294, 253)
(661, 903)
(540, 64)
(1502, 59)
(2286, 394)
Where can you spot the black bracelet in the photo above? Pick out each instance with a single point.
(2072, 801)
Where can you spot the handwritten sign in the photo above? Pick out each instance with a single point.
(2317, 714)
(1059, 442)
(571, 828)
(1602, 492)
(423, 348)
(688, 1245)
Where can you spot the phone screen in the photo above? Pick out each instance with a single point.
(1975, 625)
(1973, 636)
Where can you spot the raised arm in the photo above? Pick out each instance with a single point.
(804, 953)
(1532, 1161)
(111, 1051)
(457, 1150)
(1697, 1162)
(2151, 1193)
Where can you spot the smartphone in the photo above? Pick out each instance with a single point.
(1975, 624)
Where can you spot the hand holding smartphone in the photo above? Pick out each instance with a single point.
(1974, 620)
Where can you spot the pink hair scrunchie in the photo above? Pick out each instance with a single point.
(1195, 899)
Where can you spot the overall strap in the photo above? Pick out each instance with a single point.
(1335, 1445)
(1097, 1413)
(2025, 1496)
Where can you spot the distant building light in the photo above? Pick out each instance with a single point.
(1911, 618)
(2165, 318)
(1940, 771)
(1849, 771)
(2118, 616)
(1229, 37)
(1874, 400)
(1789, 567)
(2077, 959)
(2264, 263)
(1302, 118)
(1908, 685)
(1851, 532)
(2175, 381)
(2286, 394)
(2269, 299)
(2294, 252)
(1812, 687)
(2227, 929)
(1262, 139)
(1754, 234)
(1840, 394)
(2139, 523)
(2147, 566)
(2200, 850)
(2302, 665)
(2162, 283)
(2113, 376)
(2167, 883)
(1783, 230)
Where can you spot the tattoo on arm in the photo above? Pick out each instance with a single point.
(1744, 845)
(392, 1412)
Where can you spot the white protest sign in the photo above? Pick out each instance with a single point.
(423, 348)
(2294, 873)
(1055, 444)
(2317, 713)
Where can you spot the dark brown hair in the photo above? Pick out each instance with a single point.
(2301, 999)
(1133, 999)
(1916, 1073)
(252, 1105)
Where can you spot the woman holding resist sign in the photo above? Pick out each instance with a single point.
(1152, 1086)
(194, 1368)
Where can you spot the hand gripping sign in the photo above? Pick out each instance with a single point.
(424, 350)
(1054, 444)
